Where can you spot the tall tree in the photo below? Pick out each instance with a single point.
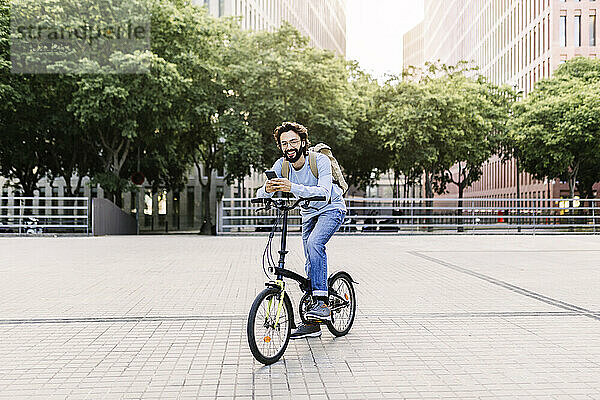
(556, 128)
(364, 157)
(25, 141)
(119, 111)
(285, 79)
(477, 111)
(214, 134)
(410, 120)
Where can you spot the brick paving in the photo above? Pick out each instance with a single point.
(466, 317)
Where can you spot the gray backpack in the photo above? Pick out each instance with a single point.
(336, 170)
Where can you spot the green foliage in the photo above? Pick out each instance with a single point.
(556, 128)
(119, 112)
(5, 86)
(441, 118)
(284, 79)
(27, 128)
(211, 97)
(364, 157)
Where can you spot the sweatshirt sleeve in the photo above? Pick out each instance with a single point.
(324, 183)
(277, 168)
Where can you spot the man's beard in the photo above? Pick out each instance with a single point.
(297, 154)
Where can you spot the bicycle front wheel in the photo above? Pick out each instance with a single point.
(268, 334)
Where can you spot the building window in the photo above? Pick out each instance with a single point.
(148, 202)
(162, 202)
(162, 207)
(562, 31)
(592, 30)
(148, 220)
(577, 31)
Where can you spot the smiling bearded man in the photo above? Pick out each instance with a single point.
(319, 222)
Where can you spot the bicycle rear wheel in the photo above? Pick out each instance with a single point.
(342, 301)
(267, 337)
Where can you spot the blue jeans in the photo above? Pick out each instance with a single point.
(316, 232)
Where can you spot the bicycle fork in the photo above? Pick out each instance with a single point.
(279, 304)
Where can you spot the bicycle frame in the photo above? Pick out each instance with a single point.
(280, 270)
(260, 328)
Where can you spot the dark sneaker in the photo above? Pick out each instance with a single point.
(320, 311)
(306, 330)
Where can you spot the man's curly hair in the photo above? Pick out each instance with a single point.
(292, 126)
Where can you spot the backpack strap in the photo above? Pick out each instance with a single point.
(285, 169)
(312, 161)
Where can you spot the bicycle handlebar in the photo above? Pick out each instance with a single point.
(259, 200)
(268, 201)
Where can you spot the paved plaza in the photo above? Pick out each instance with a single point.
(165, 316)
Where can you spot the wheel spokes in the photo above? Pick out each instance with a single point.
(341, 304)
(270, 338)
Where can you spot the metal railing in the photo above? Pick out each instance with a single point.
(438, 215)
(40, 215)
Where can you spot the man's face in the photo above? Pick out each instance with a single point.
(291, 145)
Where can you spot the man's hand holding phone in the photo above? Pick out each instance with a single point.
(275, 184)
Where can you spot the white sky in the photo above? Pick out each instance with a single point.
(374, 30)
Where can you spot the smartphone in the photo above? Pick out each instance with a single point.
(271, 174)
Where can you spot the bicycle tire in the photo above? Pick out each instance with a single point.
(341, 289)
(265, 332)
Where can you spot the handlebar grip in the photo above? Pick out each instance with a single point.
(259, 200)
(315, 198)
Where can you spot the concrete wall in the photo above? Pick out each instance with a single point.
(108, 219)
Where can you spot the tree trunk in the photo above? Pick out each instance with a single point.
(428, 203)
(395, 189)
(573, 179)
(207, 225)
(68, 186)
(79, 180)
(119, 199)
(459, 212)
(428, 186)
(28, 182)
(571, 186)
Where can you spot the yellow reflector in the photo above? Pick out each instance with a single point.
(267, 339)
(346, 296)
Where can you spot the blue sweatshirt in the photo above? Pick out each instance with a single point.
(304, 184)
